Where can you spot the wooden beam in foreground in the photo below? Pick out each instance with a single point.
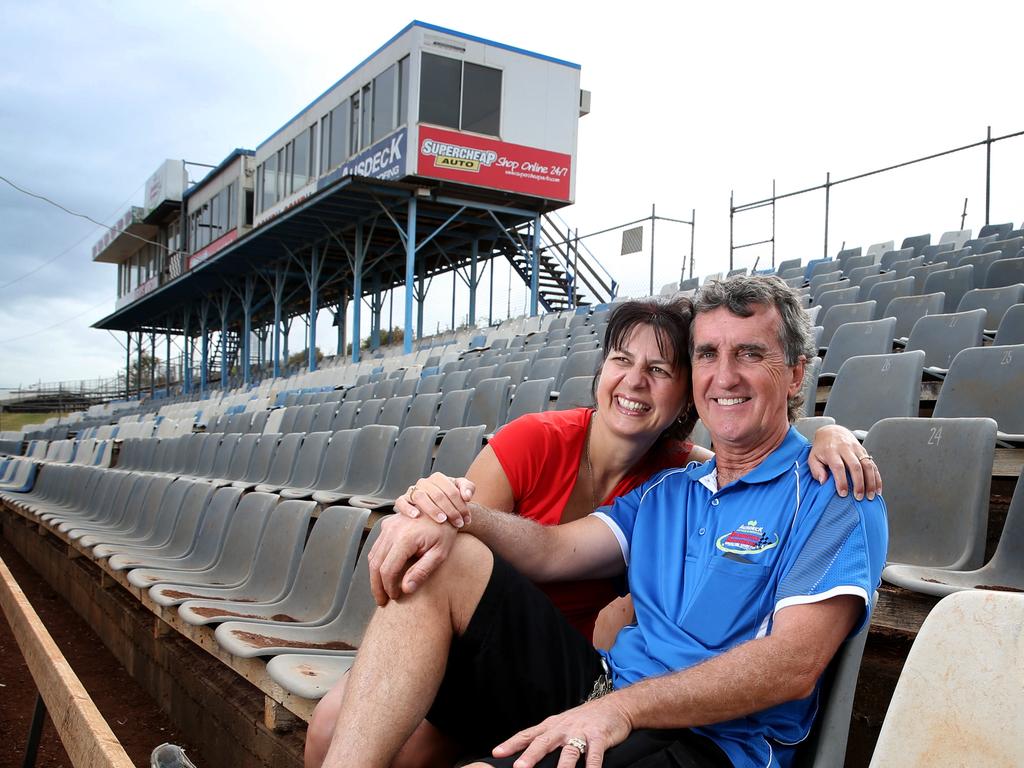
(87, 738)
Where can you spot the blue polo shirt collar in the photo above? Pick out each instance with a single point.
(777, 462)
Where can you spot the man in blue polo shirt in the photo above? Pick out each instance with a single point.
(746, 576)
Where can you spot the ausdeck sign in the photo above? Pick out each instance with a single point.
(484, 162)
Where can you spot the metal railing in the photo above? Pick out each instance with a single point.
(987, 143)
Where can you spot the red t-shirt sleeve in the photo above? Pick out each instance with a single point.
(519, 446)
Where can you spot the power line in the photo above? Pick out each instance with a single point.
(55, 325)
(66, 250)
(45, 199)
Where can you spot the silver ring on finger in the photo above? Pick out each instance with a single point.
(580, 745)
(867, 457)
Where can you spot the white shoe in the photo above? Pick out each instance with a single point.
(170, 756)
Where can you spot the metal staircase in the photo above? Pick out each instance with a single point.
(234, 351)
(569, 275)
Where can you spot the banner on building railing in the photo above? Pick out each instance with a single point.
(483, 162)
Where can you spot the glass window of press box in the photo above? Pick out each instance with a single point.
(461, 95)
(369, 114)
(215, 218)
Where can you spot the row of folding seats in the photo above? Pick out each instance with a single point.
(996, 305)
(980, 382)
(376, 462)
(210, 550)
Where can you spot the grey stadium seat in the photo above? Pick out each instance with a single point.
(870, 281)
(490, 404)
(890, 258)
(454, 409)
(457, 450)
(943, 336)
(809, 387)
(204, 547)
(885, 291)
(340, 636)
(1005, 272)
(917, 242)
(995, 302)
(305, 467)
(410, 460)
(829, 299)
(986, 381)
(954, 283)
(249, 572)
(871, 337)
(423, 410)
(577, 392)
(334, 467)
(531, 397)
(1011, 327)
(369, 412)
(547, 368)
(870, 388)
(371, 453)
(841, 314)
(324, 417)
(909, 309)
(395, 411)
(1005, 571)
(903, 268)
(826, 744)
(580, 364)
(806, 426)
(938, 506)
(321, 581)
(346, 415)
(175, 532)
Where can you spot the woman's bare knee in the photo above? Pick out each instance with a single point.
(321, 726)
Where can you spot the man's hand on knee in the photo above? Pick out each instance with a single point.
(405, 555)
(591, 728)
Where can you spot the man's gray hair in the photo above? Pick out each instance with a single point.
(740, 294)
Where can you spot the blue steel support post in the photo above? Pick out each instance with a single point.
(139, 377)
(204, 353)
(167, 367)
(128, 366)
(314, 287)
(410, 272)
(246, 333)
(223, 349)
(376, 305)
(474, 254)
(278, 291)
(186, 372)
(357, 293)
(535, 268)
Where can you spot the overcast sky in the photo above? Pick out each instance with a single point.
(688, 105)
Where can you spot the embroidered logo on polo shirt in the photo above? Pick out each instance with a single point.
(747, 539)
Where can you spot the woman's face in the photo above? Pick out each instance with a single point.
(640, 392)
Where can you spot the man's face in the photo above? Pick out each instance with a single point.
(741, 382)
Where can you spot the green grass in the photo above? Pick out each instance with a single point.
(12, 422)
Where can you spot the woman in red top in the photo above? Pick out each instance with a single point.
(556, 467)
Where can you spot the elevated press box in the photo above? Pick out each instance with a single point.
(438, 108)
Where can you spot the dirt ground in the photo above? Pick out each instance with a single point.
(134, 717)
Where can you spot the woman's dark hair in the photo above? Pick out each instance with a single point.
(670, 320)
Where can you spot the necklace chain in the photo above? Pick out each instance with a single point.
(590, 470)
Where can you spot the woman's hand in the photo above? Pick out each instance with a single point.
(838, 452)
(439, 497)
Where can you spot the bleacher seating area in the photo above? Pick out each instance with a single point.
(240, 519)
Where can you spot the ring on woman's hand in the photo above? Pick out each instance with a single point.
(867, 457)
(410, 492)
(580, 745)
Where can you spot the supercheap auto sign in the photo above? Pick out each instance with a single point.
(484, 162)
